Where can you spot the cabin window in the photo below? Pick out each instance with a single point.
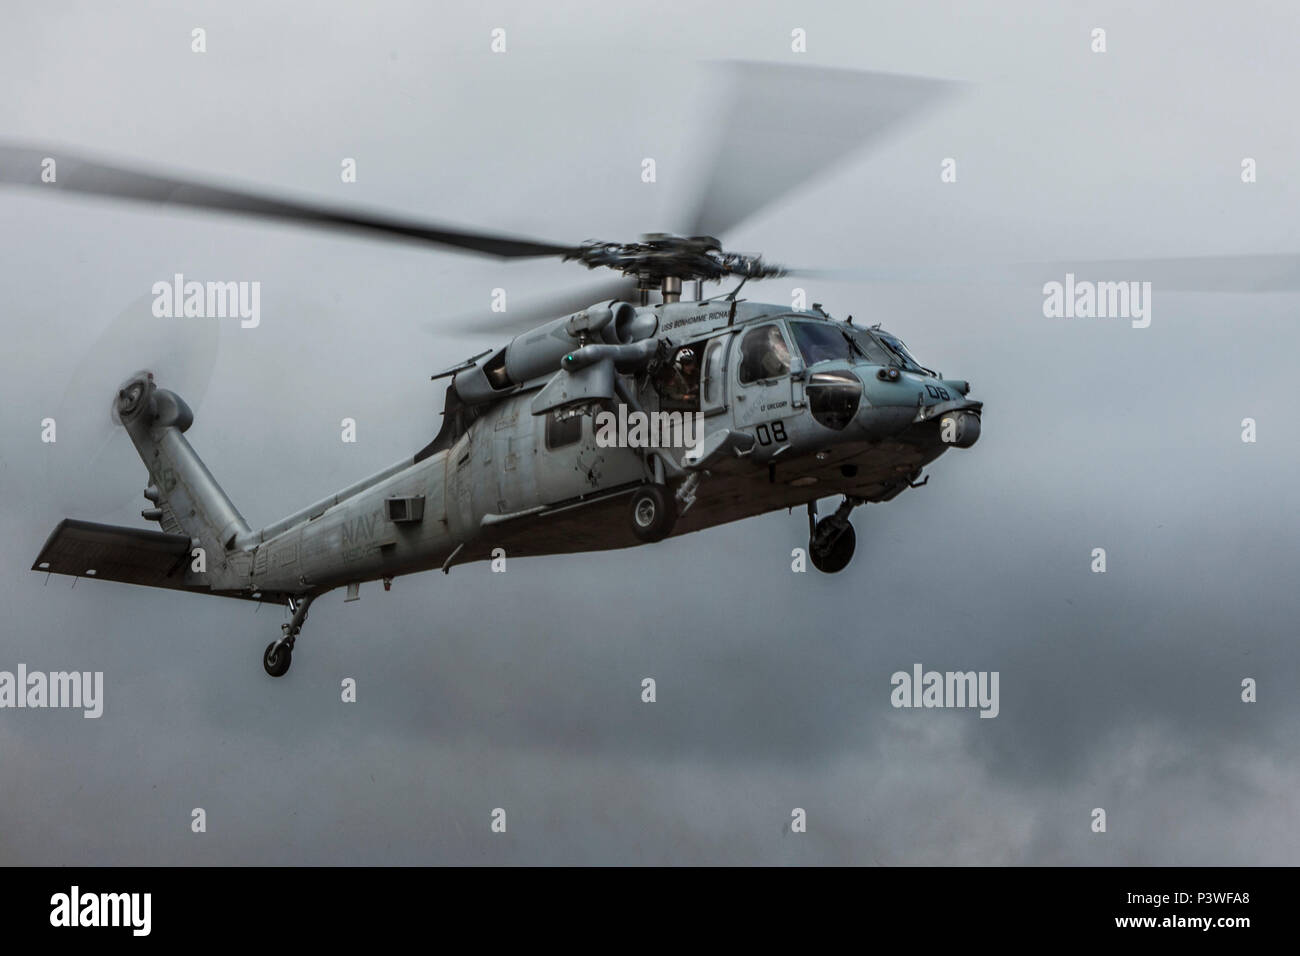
(563, 427)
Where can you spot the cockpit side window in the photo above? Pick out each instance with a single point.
(763, 354)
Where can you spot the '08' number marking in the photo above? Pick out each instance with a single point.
(767, 434)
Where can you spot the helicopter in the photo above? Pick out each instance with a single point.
(793, 407)
(763, 407)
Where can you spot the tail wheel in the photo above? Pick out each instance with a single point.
(653, 513)
(835, 556)
(277, 658)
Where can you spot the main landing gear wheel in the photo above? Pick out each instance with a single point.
(653, 513)
(277, 658)
(831, 552)
(279, 654)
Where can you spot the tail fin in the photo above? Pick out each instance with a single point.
(187, 499)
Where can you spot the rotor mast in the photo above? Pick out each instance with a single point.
(664, 261)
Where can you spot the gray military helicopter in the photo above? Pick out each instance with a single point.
(785, 408)
(761, 407)
(615, 422)
(794, 407)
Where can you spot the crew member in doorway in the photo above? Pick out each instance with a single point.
(681, 381)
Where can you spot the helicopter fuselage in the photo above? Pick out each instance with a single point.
(800, 423)
(538, 454)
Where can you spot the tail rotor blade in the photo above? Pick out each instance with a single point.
(92, 467)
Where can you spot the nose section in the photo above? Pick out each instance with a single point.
(887, 387)
(896, 400)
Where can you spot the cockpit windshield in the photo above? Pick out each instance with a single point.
(821, 342)
(869, 348)
(897, 347)
(826, 341)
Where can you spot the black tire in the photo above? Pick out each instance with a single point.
(837, 557)
(652, 514)
(276, 660)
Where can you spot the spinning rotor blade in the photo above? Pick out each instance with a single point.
(1237, 274)
(757, 161)
(93, 470)
(21, 166)
(781, 125)
(924, 272)
(543, 309)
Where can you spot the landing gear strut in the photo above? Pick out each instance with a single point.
(831, 541)
(279, 654)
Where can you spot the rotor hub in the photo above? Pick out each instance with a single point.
(131, 395)
(659, 256)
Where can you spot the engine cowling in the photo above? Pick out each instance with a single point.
(538, 352)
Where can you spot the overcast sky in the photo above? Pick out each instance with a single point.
(522, 690)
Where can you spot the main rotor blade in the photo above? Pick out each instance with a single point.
(1274, 272)
(916, 273)
(21, 165)
(783, 124)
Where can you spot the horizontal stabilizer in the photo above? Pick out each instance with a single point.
(130, 555)
(154, 559)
